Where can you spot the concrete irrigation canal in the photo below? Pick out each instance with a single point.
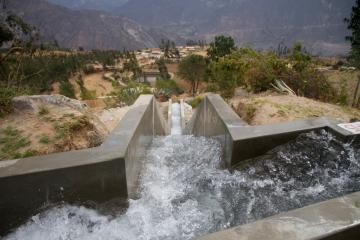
(215, 178)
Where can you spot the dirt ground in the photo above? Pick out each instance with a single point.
(45, 133)
(96, 82)
(49, 128)
(270, 108)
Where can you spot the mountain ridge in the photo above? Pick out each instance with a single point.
(90, 29)
(263, 23)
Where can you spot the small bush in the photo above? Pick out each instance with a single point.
(43, 111)
(131, 92)
(11, 141)
(66, 129)
(167, 87)
(89, 69)
(44, 139)
(310, 83)
(195, 101)
(6, 94)
(67, 89)
(87, 94)
(343, 97)
(29, 153)
(212, 88)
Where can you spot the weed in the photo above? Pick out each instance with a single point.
(48, 119)
(250, 113)
(67, 89)
(87, 94)
(131, 92)
(44, 139)
(70, 115)
(66, 130)
(11, 141)
(26, 154)
(29, 153)
(43, 110)
(195, 101)
(343, 97)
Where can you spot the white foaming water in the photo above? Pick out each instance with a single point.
(184, 194)
(175, 119)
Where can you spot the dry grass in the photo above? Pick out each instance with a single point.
(267, 109)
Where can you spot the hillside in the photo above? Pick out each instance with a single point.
(268, 108)
(87, 28)
(106, 5)
(263, 23)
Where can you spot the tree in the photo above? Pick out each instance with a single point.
(221, 47)
(169, 49)
(300, 57)
(132, 65)
(164, 74)
(192, 68)
(14, 29)
(354, 25)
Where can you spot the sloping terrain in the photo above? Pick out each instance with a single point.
(86, 28)
(44, 124)
(273, 108)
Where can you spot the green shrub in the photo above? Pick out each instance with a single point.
(131, 92)
(310, 83)
(195, 101)
(67, 89)
(29, 153)
(43, 111)
(44, 139)
(167, 85)
(66, 130)
(343, 97)
(6, 94)
(211, 87)
(88, 69)
(87, 94)
(257, 71)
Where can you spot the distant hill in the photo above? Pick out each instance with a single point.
(263, 23)
(106, 5)
(318, 24)
(87, 28)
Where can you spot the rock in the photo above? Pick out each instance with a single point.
(95, 139)
(34, 101)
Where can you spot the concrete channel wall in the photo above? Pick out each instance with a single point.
(333, 219)
(329, 220)
(91, 176)
(213, 117)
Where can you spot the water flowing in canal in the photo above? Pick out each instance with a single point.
(184, 193)
(176, 119)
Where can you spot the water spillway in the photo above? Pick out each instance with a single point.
(183, 192)
(176, 119)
